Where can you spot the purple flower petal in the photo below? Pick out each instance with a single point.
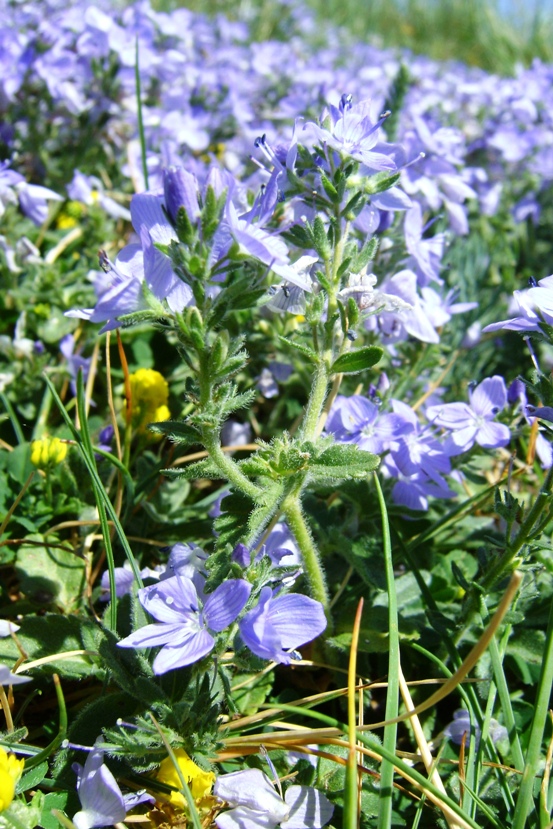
(489, 397)
(280, 624)
(100, 796)
(189, 650)
(493, 435)
(225, 603)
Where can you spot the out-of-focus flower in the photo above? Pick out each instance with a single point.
(280, 624)
(236, 434)
(11, 770)
(187, 560)
(75, 362)
(280, 547)
(200, 781)
(90, 190)
(7, 628)
(186, 621)
(124, 580)
(47, 452)
(270, 377)
(255, 803)
(531, 307)
(149, 396)
(459, 729)
(7, 678)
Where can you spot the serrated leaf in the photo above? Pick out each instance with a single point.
(347, 455)
(305, 349)
(177, 431)
(194, 471)
(230, 524)
(357, 361)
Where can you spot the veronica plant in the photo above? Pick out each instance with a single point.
(202, 260)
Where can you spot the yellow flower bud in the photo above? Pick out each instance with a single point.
(10, 771)
(47, 452)
(200, 781)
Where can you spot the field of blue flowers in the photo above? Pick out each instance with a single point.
(276, 403)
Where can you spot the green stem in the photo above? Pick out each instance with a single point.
(227, 466)
(140, 118)
(293, 513)
(316, 402)
(533, 754)
(392, 696)
(505, 697)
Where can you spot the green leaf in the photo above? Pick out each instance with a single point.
(194, 471)
(25, 815)
(50, 575)
(305, 349)
(329, 188)
(31, 779)
(365, 255)
(51, 634)
(177, 431)
(380, 182)
(322, 244)
(18, 463)
(343, 461)
(357, 361)
(53, 800)
(253, 693)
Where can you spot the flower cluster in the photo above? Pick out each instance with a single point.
(419, 451)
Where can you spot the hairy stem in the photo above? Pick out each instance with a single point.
(293, 513)
(227, 466)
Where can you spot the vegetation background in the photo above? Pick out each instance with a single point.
(494, 34)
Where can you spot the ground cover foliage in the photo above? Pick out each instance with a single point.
(275, 433)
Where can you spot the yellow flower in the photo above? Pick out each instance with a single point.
(10, 772)
(47, 452)
(200, 781)
(149, 391)
(161, 413)
(64, 221)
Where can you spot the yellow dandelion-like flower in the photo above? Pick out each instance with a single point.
(200, 781)
(47, 452)
(10, 771)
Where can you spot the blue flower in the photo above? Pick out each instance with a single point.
(186, 621)
(351, 131)
(459, 729)
(472, 423)
(280, 624)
